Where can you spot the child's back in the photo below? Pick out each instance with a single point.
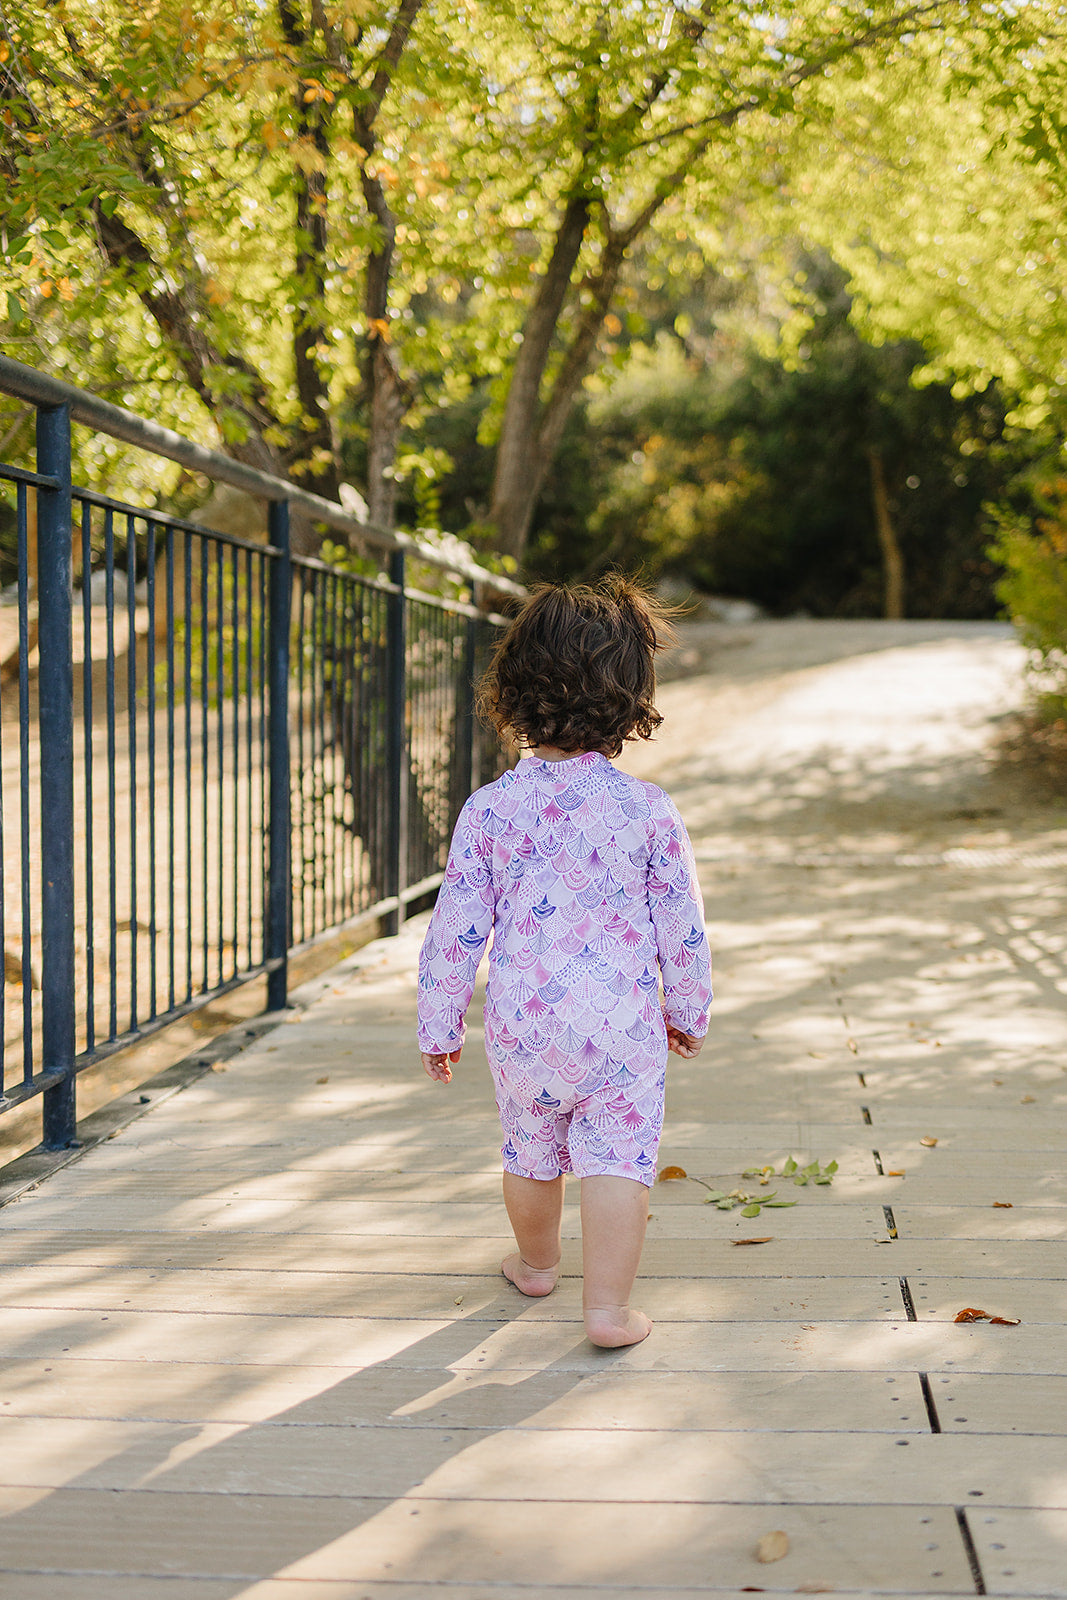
(585, 877)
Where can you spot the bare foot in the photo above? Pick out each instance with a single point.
(612, 1326)
(527, 1279)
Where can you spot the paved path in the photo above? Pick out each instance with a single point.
(257, 1345)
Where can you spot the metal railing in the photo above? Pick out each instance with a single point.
(226, 752)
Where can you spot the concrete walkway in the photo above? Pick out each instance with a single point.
(257, 1345)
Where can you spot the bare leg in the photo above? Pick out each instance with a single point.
(535, 1211)
(614, 1216)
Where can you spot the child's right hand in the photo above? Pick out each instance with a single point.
(683, 1044)
(438, 1066)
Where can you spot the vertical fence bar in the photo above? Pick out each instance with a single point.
(25, 905)
(396, 785)
(87, 762)
(279, 882)
(55, 683)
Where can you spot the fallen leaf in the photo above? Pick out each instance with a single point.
(814, 1588)
(1028, 1100)
(762, 1239)
(928, 1142)
(896, 1172)
(998, 1082)
(817, 1055)
(808, 1326)
(669, 1174)
(458, 1301)
(323, 1080)
(853, 1046)
(773, 1546)
(972, 1314)
(1003, 1205)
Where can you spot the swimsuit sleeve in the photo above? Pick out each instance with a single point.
(677, 910)
(456, 937)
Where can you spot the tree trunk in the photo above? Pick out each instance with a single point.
(892, 556)
(520, 459)
(388, 394)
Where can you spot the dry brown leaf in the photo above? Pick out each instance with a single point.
(323, 1080)
(896, 1172)
(972, 1314)
(928, 1142)
(669, 1174)
(814, 1588)
(1003, 1205)
(763, 1239)
(773, 1546)
(1028, 1100)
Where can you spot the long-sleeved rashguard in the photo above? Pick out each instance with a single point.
(585, 876)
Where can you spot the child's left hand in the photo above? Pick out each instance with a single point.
(439, 1067)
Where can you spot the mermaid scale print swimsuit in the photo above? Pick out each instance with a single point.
(586, 878)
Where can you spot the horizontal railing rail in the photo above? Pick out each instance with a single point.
(214, 752)
(41, 389)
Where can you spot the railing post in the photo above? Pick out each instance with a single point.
(279, 868)
(396, 751)
(465, 781)
(55, 686)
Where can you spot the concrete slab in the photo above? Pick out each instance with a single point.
(340, 1294)
(672, 1258)
(526, 1464)
(318, 1540)
(771, 1402)
(50, 1586)
(1022, 1552)
(1033, 1301)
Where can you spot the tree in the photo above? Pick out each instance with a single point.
(629, 117)
(225, 168)
(950, 224)
(319, 219)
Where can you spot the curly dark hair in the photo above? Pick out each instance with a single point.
(576, 668)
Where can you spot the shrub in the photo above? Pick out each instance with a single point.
(1034, 590)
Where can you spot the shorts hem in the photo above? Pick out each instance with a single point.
(538, 1177)
(620, 1169)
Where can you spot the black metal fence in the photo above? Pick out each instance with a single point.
(225, 751)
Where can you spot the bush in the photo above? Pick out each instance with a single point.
(1034, 590)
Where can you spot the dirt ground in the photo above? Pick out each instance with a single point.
(865, 735)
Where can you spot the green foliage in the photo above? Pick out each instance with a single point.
(801, 1176)
(750, 475)
(750, 1205)
(185, 229)
(1034, 589)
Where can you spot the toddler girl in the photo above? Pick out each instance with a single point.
(585, 877)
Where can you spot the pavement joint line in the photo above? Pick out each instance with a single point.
(969, 1550)
(931, 1404)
